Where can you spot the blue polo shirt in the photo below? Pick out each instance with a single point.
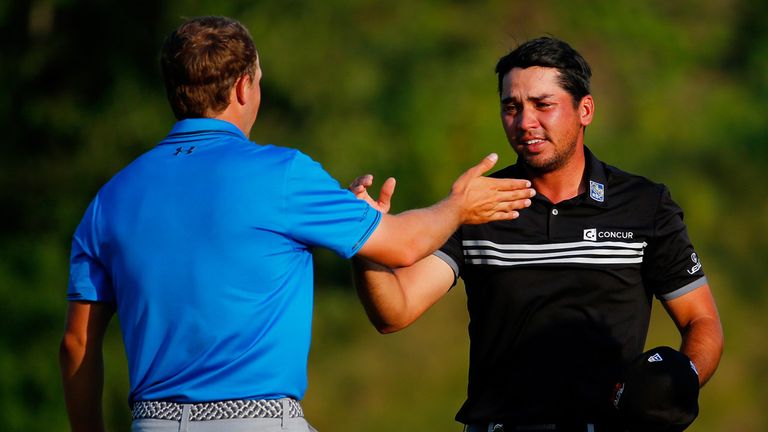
(204, 245)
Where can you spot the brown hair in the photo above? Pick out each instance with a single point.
(201, 61)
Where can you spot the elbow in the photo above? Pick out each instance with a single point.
(411, 252)
(391, 326)
(387, 329)
(71, 348)
(395, 248)
(398, 258)
(408, 258)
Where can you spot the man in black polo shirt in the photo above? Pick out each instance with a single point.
(559, 298)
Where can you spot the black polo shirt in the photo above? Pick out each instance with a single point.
(559, 298)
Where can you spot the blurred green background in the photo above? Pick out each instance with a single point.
(401, 88)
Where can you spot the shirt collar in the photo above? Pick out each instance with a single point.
(597, 188)
(192, 126)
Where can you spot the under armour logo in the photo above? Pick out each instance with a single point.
(180, 150)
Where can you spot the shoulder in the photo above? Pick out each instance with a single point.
(638, 186)
(271, 159)
(132, 172)
(296, 160)
(267, 151)
(281, 153)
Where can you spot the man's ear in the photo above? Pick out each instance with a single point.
(241, 87)
(586, 110)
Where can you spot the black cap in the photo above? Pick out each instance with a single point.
(659, 392)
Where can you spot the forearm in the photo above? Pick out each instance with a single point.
(381, 294)
(415, 234)
(82, 365)
(702, 342)
(82, 374)
(395, 298)
(695, 315)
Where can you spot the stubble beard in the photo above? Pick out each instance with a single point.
(537, 165)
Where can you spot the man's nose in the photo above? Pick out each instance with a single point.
(528, 119)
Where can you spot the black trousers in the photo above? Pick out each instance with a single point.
(543, 427)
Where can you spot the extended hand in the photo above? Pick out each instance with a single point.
(360, 186)
(485, 199)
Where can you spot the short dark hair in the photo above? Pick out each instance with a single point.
(552, 53)
(201, 61)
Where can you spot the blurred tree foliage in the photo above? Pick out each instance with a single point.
(392, 88)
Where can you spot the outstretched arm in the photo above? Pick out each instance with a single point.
(403, 239)
(81, 362)
(695, 315)
(394, 298)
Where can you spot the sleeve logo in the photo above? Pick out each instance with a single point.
(696, 264)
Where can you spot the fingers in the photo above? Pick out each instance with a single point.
(361, 183)
(504, 197)
(512, 205)
(387, 190)
(505, 190)
(508, 209)
(501, 214)
(498, 205)
(505, 215)
(506, 184)
(360, 186)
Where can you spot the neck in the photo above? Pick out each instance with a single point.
(236, 120)
(563, 183)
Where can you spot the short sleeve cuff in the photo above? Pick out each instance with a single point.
(448, 260)
(683, 290)
(364, 238)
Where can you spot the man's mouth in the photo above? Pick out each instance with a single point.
(533, 145)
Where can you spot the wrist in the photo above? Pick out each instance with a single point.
(454, 208)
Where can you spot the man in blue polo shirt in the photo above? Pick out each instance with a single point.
(203, 247)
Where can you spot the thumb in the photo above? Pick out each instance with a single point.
(487, 163)
(387, 190)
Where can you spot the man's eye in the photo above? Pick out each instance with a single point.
(510, 109)
(543, 105)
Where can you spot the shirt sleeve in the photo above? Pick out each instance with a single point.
(453, 255)
(320, 212)
(88, 279)
(672, 266)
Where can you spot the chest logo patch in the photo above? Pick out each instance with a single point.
(596, 191)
